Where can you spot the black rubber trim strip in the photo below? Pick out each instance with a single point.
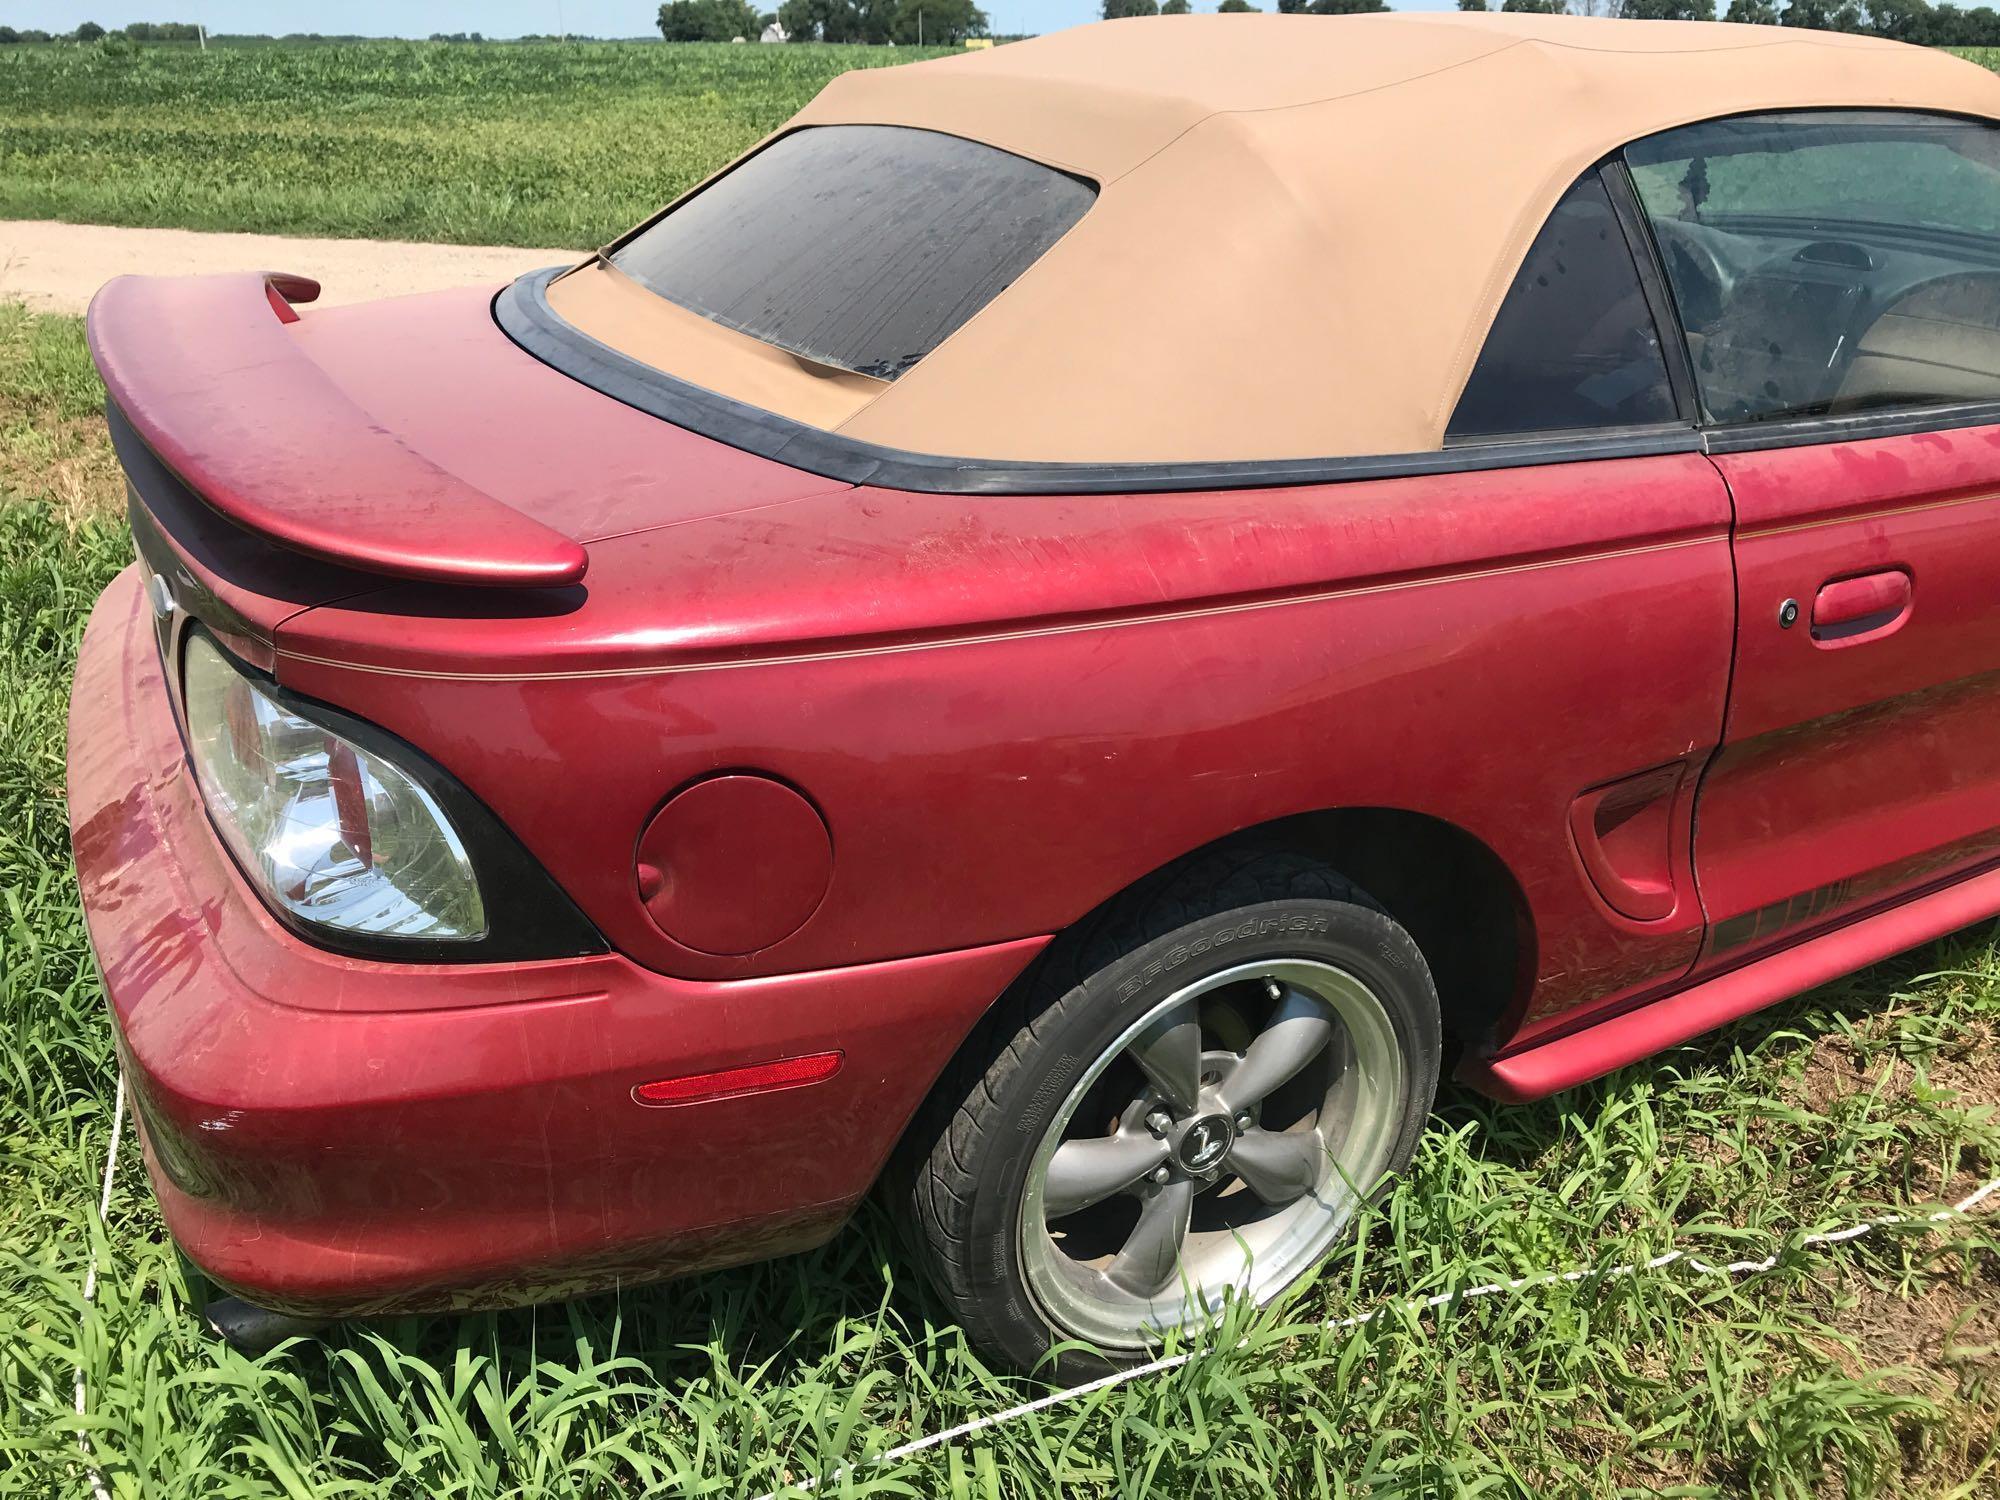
(1854, 427)
(522, 310)
(1653, 284)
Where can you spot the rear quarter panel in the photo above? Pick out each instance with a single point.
(1010, 708)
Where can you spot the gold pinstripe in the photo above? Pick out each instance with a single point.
(1035, 632)
(1850, 517)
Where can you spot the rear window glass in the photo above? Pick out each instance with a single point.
(858, 246)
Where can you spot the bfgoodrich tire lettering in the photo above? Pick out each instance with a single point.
(1255, 956)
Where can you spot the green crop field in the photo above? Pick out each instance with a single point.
(495, 143)
(489, 143)
(1871, 1368)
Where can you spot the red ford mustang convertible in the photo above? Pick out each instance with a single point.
(1057, 628)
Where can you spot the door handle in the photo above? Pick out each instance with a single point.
(1850, 611)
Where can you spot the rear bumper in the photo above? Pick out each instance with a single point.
(329, 1135)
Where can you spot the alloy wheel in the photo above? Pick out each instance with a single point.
(1221, 1143)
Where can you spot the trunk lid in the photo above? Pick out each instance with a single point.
(279, 461)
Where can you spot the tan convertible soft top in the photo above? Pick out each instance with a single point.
(1304, 226)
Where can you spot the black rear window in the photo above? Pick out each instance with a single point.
(860, 246)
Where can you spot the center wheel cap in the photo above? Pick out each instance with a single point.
(1204, 1143)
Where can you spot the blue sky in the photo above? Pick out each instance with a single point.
(494, 17)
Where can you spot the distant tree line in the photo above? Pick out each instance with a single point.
(942, 23)
(89, 31)
(188, 31)
(949, 22)
(1915, 21)
(708, 21)
(1115, 9)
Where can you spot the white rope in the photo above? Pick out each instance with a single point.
(1417, 1305)
(97, 1489)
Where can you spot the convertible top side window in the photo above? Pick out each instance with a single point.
(1574, 345)
(1827, 264)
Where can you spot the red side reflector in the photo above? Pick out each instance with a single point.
(759, 1078)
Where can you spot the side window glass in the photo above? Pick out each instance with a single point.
(1833, 261)
(1574, 344)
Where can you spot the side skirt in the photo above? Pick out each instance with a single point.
(1547, 1067)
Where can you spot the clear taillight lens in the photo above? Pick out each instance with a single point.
(336, 835)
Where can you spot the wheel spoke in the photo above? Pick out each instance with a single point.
(1278, 1166)
(1169, 1053)
(1084, 1172)
(1298, 1029)
(1152, 1253)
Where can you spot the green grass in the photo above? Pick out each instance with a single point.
(1870, 1369)
(557, 145)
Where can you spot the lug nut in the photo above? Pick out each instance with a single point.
(1159, 1122)
(1243, 1120)
(1161, 1174)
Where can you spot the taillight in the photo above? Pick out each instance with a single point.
(338, 835)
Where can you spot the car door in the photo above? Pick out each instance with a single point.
(1837, 275)
(1576, 354)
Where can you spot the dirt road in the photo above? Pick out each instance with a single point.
(56, 267)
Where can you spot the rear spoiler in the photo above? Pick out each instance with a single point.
(204, 370)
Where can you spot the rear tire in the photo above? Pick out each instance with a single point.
(1239, 1055)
